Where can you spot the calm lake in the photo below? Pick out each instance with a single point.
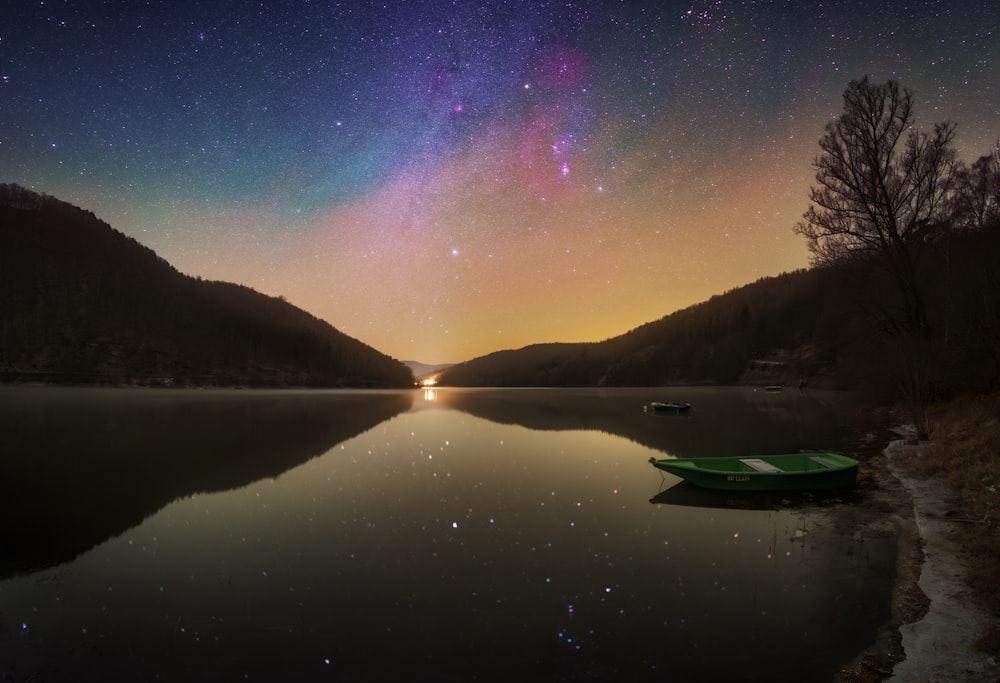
(425, 535)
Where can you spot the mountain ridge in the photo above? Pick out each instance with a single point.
(84, 303)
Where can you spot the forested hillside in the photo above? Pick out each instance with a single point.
(83, 303)
(773, 330)
(810, 324)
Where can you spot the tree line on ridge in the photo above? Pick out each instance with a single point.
(82, 303)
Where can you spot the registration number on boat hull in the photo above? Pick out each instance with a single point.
(737, 477)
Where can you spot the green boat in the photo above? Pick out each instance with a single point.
(788, 472)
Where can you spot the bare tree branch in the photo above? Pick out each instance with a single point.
(881, 197)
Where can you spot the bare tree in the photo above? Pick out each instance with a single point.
(881, 198)
(976, 203)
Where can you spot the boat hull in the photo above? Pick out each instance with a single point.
(668, 408)
(790, 472)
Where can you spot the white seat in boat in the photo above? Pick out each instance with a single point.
(820, 460)
(760, 465)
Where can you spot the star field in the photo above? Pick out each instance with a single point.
(446, 179)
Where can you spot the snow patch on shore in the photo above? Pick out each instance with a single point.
(940, 646)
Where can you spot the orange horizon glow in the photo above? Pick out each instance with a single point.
(446, 182)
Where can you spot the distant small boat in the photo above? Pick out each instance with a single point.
(774, 387)
(667, 407)
(788, 472)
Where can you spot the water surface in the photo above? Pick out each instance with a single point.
(426, 535)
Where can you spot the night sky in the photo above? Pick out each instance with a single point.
(445, 179)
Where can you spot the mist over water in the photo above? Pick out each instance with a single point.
(469, 534)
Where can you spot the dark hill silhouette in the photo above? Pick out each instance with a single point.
(777, 329)
(83, 303)
(808, 324)
(536, 365)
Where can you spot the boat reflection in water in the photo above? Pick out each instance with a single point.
(686, 494)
